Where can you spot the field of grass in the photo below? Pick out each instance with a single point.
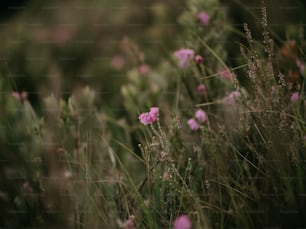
(154, 115)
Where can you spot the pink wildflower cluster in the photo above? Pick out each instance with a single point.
(182, 222)
(149, 117)
(200, 116)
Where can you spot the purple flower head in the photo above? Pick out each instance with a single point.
(184, 56)
(295, 97)
(182, 222)
(199, 59)
(149, 117)
(203, 18)
(192, 123)
(200, 115)
(201, 88)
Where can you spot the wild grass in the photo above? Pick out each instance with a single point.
(79, 166)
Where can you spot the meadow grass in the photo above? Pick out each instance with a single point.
(228, 154)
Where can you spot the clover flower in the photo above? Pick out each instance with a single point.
(184, 56)
(149, 117)
(182, 222)
(192, 123)
(203, 18)
(200, 115)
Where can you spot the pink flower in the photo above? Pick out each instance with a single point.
(16, 95)
(200, 115)
(182, 222)
(149, 117)
(199, 59)
(118, 62)
(129, 224)
(192, 123)
(154, 112)
(226, 75)
(301, 66)
(201, 88)
(203, 18)
(295, 97)
(231, 98)
(144, 69)
(184, 56)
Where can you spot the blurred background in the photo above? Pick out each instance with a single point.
(57, 46)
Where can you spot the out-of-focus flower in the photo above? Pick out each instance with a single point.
(226, 74)
(144, 69)
(16, 95)
(67, 174)
(184, 56)
(201, 88)
(182, 222)
(192, 123)
(27, 187)
(149, 117)
(199, 59)
(231, 98)
(295, 97)
(301, 66)
(24, 95)
(203, 18)
(200, 115)
(118, 62)
(129, 224)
